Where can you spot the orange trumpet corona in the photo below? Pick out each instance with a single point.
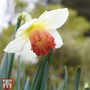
(41, 41)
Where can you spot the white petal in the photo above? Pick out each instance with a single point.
(57, 37)
(54, 19)
(16, 45)
(24, 27)
(27, 53)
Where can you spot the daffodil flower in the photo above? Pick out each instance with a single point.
(37, 36)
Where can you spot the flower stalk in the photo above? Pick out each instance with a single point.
(42, 73)
(11, 55)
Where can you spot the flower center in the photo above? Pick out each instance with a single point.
(41, 41)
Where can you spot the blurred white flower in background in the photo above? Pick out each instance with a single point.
(1, 31)
(31, 4)
(8, 14)
(43, 2)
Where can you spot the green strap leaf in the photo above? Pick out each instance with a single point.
(18, 74)
(45, 77)
(27, 85)
(38, 79)
(24, 77)
(54, 87)
(10, 64)
(3, 68)
(66, 79)
(77, 80)
(63, 86)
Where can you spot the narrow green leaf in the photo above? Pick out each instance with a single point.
(17, 25)
(45, 77)
(27, 85)
(18, 75)
(37, 82)
(10, 64)
(77, 80)
(24, 77)
(6, 66)
(3, 68)
(54, 87)
(63, 86)
(66, 79)
(60, 87)
(3, 65)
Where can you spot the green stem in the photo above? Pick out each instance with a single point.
(6, 70)
(17, 25)
(11, 56)
(39, 76)
(18, 74)
(77, 80)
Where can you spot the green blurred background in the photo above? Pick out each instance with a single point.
(75, 34)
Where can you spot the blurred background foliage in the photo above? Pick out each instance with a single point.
(75, 34)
